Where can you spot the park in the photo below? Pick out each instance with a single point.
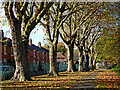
(85, 34)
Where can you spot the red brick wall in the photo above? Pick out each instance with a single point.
(8, 55)
(41, 59)
(31, 55)
(0, 51)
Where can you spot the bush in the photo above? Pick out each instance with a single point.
(116, 69)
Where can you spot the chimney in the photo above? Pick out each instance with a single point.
(1, 34)
(30, 41)
(39, 44)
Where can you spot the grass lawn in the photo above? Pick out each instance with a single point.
(65, 80)
(108, 79)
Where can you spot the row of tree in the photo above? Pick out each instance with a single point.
(77, 23)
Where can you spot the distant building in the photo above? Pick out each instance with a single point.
(61, 60)
(38, 56)
(60, 57)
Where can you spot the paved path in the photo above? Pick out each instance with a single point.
(88, 81)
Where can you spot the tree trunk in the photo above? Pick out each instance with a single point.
(81, 59)
(86, 61)
(53, 60)
(91, 54)
(94, 62)
(91, 62)
(71, 67)
(20, 49)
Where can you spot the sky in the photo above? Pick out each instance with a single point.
(37, 35)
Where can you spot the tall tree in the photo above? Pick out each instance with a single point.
(53, 21)
(68, 35)
(85, 29)
(23, 17)
(93, 38)
(74, 23)
(69, 39)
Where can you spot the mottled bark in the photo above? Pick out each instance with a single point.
(91, 54)
(20, 49)
(53, 60)
(70, 58)
(81, 59)
(86, 61)
(94, 61)
(91, 62)
(22, 21)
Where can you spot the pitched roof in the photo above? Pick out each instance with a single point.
(34, 47)
(59, 55)
(8, 41)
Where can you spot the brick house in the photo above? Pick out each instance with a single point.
(6, 53)
(38, 56)
(61, 60)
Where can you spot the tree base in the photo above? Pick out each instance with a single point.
(53, 74)
(80, 70)
(21, 78)
(70, 70)
(87, 70)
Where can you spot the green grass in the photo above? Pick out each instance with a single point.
(116, 69)
(65, 80)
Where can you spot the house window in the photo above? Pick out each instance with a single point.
(11, 51)
(34, 53)
(43, 55)
(0, 61)
(38, 54)
(34, 62)
(5, 49)
(5, 60)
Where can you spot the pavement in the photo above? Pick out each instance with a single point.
(88, 81)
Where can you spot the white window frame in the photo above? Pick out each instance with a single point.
(5, 60)
(5, 49)
(34, 61)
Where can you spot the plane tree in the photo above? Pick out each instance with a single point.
(22, 18)
(93, 38)
(52, 21)
(71, 26)
(100, 17)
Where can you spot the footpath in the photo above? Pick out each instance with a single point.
(88, 81)
(102, 78)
